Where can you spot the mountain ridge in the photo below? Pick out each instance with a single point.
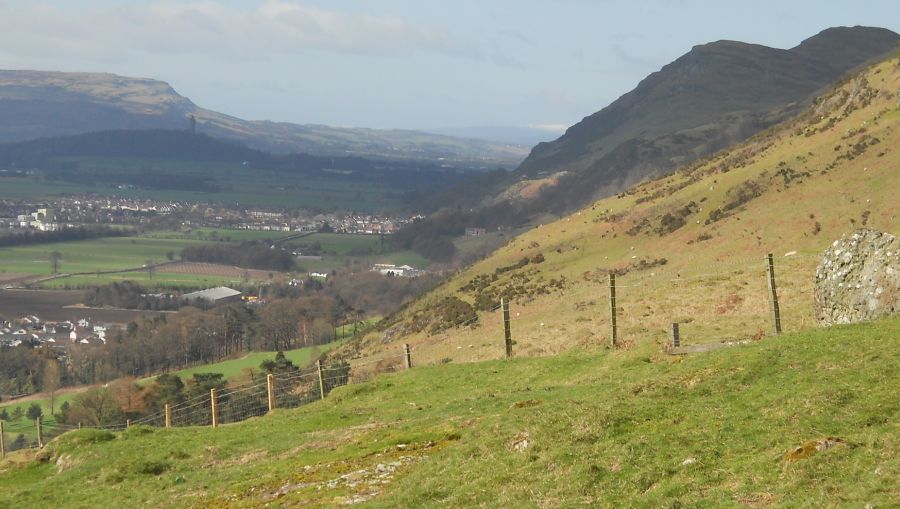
(42, 104)
(714, 95)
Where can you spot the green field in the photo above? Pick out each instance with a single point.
(119, 253)
(342, 250)
(235, 367)
(625, 428)
(227, 235)
(102, 254)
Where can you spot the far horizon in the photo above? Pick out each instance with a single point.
(529, 66)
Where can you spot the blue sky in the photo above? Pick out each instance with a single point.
(402, 63)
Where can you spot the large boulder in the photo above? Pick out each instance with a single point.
(858, 278)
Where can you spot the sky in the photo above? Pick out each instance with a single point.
(412, 64)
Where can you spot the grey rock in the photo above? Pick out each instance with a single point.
(858, 278)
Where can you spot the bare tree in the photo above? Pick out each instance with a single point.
(52, 380)
(55, 257)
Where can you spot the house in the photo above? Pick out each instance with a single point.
(475, 232)
(214, 295)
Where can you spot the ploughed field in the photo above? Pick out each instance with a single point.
(59, 305)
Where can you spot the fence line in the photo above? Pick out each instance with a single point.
(303, 386)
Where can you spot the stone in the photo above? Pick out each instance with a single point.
(858, 278)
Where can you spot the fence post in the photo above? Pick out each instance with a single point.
(2, 444)
(40, 432)
(773, 294)
(214, 404)
(406, 355)
(270, 389)
(614, 330)
(507, 335)
(321, 379)
(676, 336)
(168, 416)
(79, 425)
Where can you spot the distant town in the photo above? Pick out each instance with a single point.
(67, 212)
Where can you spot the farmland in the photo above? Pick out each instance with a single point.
(59, 305)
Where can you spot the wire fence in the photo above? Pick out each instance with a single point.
(623, 305)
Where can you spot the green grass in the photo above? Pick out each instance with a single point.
(630, 428)
(91, 255)
(227, 235)
(234, 367)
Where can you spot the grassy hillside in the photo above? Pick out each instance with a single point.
(688, 248)
(613, 429)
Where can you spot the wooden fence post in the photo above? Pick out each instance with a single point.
(773, 294)
(406, 356)
(2, 443)
(168, 416)
(270, 389)
(40, 432)
(614, 330)
(214, 407)
(321, 379)
(127, 423)
(676, 336)
(79, 425)
(507, 335)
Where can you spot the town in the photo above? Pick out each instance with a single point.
(65, 212)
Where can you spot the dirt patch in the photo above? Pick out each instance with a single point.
(212, 269)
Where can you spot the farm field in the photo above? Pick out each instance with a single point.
(342, 250)
(92, 255)
(228, 235)
(58, 305)
(120, 253)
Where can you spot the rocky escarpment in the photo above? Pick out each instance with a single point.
(858, 278)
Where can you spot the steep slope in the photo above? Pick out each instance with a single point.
(687, 248)
(710, 98)
(37, 104)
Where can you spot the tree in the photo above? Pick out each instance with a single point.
(4, 415)
(151, 268)
(52, 380)
(17, 413)
(94, 407)
(34, 411)
(55, 257)
(170, 255)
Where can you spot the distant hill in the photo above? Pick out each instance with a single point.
(713, 96)
(517, 135)
(37, 104)
(217, 170)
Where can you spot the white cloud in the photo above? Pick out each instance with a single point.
(281, 27)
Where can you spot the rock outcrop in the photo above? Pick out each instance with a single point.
(858, 278)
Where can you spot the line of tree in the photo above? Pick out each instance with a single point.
(63, 235)
(128, 295)
(250, 255)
